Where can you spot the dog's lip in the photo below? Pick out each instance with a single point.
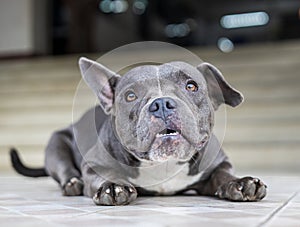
(202, 142)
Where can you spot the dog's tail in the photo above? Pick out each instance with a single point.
(22, 169)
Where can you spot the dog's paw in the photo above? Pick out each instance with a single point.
(73, 187)
(243, 189)
(111, 194)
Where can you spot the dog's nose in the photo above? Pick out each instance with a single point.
(162, 107)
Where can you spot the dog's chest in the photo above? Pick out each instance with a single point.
(165, 178)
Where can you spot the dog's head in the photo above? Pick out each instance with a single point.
(161, 112)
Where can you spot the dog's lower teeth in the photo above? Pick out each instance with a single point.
(169, 134)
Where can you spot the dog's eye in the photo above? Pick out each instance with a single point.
(191, 86)
(130, 96)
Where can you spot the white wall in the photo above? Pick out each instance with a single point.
(16, 27)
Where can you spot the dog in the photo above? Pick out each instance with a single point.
(150, 135)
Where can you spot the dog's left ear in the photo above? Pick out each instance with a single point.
(101, 80)
(219, 90)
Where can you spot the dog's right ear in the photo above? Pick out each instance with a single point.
(219, 90)
(101, 80)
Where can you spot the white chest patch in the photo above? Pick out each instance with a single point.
(166, 178)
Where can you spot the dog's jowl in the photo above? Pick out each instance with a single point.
(150, 135)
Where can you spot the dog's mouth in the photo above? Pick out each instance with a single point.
(167, 141)
(168, 133)
(170, 142)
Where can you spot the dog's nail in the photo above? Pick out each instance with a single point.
(118, 189)
(260, 183)
(240, 188)
(95, 197)
(107, 191)
(130, 190)
(256, 180)
(73, 180)
(69, 184)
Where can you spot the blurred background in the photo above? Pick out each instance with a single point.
(256, 44)
(55, 27)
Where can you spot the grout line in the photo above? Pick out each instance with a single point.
(31, 216)
(14, 211)
(90, 212)
(85, 211)
(53, 203)
(277, 210)
(97, 211)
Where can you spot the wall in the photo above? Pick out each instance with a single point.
(16, 27)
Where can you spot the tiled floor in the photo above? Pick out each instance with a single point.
(38, 202)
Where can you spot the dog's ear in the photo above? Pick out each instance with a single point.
(219, 90)
(101, 80)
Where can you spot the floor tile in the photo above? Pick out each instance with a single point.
(36, 202)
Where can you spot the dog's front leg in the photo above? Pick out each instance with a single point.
(226, 186)
(106, 187)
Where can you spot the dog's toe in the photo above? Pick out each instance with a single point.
(231, 190)
(73, 187)
(111, 194)
(244, 189)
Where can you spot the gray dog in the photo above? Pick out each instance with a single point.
(151, 135)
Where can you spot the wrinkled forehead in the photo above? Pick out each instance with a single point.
(165, 72)
(139, 74)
